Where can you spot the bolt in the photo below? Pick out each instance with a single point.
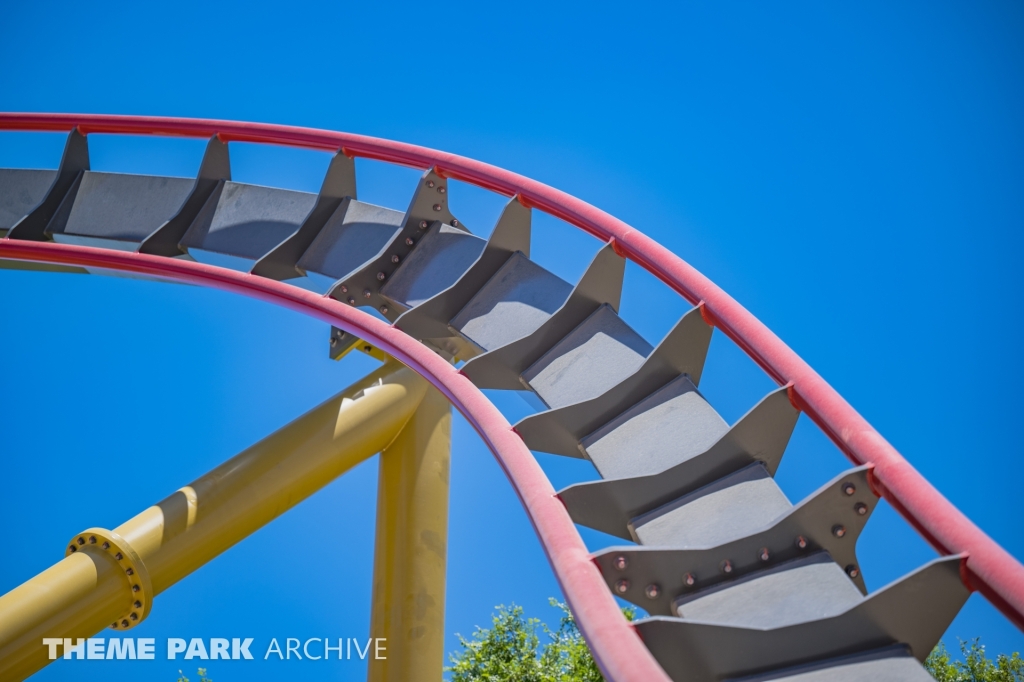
(801, 542)
(437, 207)
(622, 586)
(344, 289)
(689, 579)
(395, 258)
(124, 622)
(113, 625)
(852, 571)
(92, 539)
(621, 562)
(351, 301)
(135, 588)
(129, 571)
(366, 293)
(430, 183)
(455, 223)
(367, 348)
(118, 556)
(138, 604)
(838, 530)
(652, 591)
(726, 567)
(849, 488)
(409, 241)
(72, 548)
(860, 508)
(134, 616)
(383, 310)
(106, 545)
(334, 342)
(763, 554)
(441, 189)
(423, 223)
(381, 276)
(81, 541)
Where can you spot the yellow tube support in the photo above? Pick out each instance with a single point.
(412, 546)
(103, 582)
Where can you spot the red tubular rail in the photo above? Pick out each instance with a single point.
(990, 569)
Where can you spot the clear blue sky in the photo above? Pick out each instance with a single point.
(852, 173)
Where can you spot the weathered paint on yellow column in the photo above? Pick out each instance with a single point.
(87, 591)
(412, 547)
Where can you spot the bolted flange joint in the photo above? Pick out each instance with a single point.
(138, 584)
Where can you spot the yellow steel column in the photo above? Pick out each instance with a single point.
(109, 576)
(412, 546)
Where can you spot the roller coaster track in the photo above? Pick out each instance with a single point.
(739, 582)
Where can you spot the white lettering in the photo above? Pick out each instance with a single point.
(328, 649)
(94, 647)
(121, 649)
(175, 646)
(377, 648)
(274, 648)
(290, 648)
(305, 649)
(53, 643)
(146, 647)
(241, 649)
(362, 654)
(196, 649)
(219, 648)
(78, 649)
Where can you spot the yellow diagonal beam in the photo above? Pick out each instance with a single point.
(412, 546)
(107, 574)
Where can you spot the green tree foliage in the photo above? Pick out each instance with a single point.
(511, 650)
(976, 666)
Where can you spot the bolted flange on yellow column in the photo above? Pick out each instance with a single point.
(412, 546)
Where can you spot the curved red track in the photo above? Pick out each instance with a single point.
(990, 569)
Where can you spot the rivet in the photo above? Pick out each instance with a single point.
(383, 310)
(106, 545)
(366, 293)
(423, 223)
(763, 554)
(860, 508)
(118, 556)
(838, 530)
(81, 541)
(852, 571)
(138, 604)
(344, 289)
(395, 258)
(437, 207)
(621, 562)
(622, 586)
(134, 616)
(455, 223)
(849, 488)
(652, 591)
(801, 542)
(92, 539)
(124, 622)
(726, 566)
(367, 348)
(334, 342)
(351, 301)
(135, 588)
(72, 548)
(689, 579)
(441, 189)
(381, 276)
(430, 183)
(129, 571)
(409, 241)
(113, 625)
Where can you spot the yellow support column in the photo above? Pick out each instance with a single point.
(412, 546)
(109, 578)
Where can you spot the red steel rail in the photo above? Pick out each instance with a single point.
(990, 569)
